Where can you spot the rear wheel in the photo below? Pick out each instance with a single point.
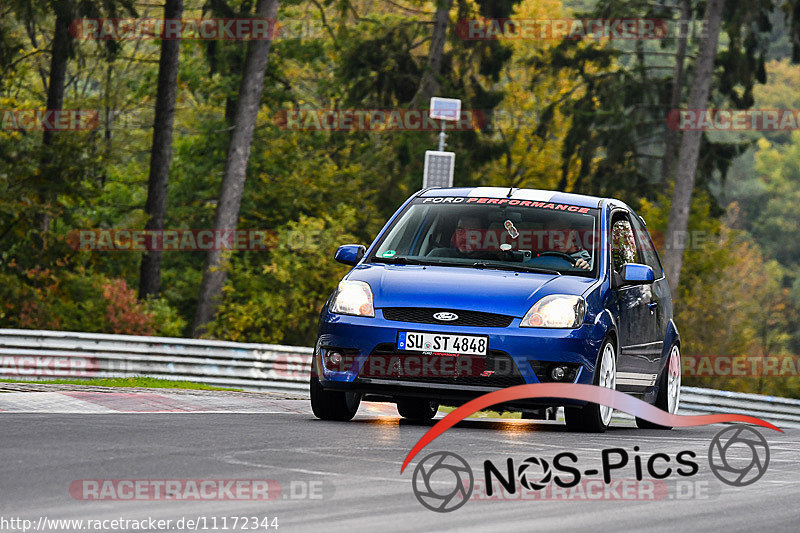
(417, 408)
(592, 417)
(669, 389)
(333, 405)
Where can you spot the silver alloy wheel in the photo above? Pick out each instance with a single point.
(608, 379)
(674, 380)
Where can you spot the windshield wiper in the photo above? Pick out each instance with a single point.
(515, 267)
(398, 260)
(402, 260)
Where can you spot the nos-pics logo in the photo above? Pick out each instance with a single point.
(452, 477)
(443, 481)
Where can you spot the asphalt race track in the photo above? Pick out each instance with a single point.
(346, 476)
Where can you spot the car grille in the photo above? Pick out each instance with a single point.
(424, 315)
(498, 366)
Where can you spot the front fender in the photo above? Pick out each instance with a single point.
(605, 325)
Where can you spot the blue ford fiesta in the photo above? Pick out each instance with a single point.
(469, 290)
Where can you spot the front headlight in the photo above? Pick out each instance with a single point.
(353, 298)
(555, 311)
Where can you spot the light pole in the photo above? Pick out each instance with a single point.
(439, 164)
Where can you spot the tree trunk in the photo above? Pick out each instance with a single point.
(690, 147)
(429, 83)
(233, 178)
(60, 53)
(672, 139)
(161, 152)
(61, 50)
(231, 63)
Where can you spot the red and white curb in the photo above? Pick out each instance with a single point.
(142, 402)
(158, 401)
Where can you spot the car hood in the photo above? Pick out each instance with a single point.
(442, 287)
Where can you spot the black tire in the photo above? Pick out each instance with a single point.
(587, 419)
(333, 405)
(662, 402)
(417, 408)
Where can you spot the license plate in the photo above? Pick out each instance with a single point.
(439, 342)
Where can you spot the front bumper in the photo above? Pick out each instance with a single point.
(364, 339)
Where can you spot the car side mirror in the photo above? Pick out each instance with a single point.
(350, 254)
(637, 274)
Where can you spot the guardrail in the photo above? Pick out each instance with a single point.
(34, 354)
(783, 412)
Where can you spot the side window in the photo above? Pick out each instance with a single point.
(646, 248)
(623, 243)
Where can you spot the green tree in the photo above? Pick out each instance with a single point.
(233, 178)
(161, 152)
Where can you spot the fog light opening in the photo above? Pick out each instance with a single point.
(558, 373)
(337, 359)
(334, 358)
(555, 371)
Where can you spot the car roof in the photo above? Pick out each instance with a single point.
(518, 194)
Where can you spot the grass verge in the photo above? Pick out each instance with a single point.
(484, 414)
(145, 382)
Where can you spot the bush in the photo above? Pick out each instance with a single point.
(80, 301)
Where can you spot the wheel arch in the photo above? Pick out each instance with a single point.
(607, 327)
(670, 339)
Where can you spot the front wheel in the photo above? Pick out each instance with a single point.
(417, 408)
(592, 417)
(669, 390)
(333, 405)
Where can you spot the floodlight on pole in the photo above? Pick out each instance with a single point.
(438, 169)
(445, 109)
(439, 164)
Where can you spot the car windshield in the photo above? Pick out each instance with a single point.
(506, 234)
